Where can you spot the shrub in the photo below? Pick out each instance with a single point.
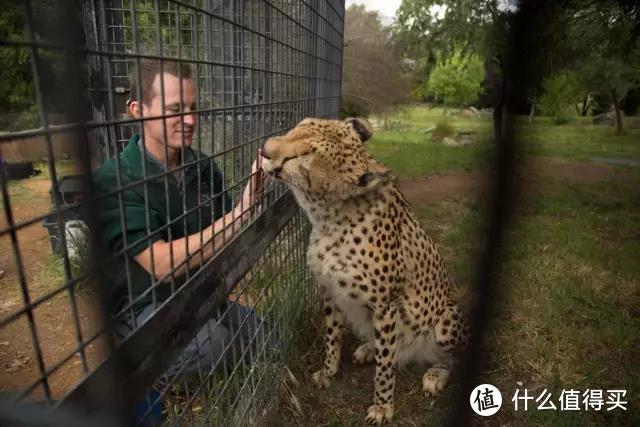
(456, 80)
(443, 129)
(561, 91)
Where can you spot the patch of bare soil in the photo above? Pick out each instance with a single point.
(535, 175)
(430, 189)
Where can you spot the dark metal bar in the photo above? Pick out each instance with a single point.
(486, 284)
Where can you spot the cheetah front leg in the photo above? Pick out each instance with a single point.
(384, 324)
(335, 322)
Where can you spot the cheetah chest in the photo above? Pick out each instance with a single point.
(334, 273)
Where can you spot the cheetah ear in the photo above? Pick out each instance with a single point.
(362, 127)
(376, 174)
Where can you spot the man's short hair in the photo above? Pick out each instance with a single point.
(149, 69)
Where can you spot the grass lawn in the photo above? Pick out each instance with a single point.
(566, 315)
(406, 147)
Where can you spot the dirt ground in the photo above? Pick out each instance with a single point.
(542, 170)
(54, 320)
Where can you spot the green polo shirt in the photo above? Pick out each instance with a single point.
(201, 193)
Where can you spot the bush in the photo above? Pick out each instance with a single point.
(562, 118)
(456, 80)
(443, 129)
(561, 91)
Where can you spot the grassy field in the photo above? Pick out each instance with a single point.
(566, 314)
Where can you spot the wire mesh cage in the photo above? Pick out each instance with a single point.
(151, 277)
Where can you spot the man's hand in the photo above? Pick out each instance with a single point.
(252, 193)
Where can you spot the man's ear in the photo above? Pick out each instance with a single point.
(375, 174)
(134, 109)
(361, 126)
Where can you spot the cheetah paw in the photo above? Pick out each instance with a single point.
(379, 414)
(364, 354)
(321, 379)
(434, 380)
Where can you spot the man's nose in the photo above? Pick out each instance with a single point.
(189, 119)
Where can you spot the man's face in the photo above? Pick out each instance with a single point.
(179, 128)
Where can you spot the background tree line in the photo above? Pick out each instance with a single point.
(584, 60)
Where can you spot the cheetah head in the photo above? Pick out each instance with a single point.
(325, 159)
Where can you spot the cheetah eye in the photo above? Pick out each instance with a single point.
(286, 159)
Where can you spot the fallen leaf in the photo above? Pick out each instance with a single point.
(16, 364)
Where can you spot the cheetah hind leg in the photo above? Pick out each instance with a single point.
(434, 380)
(450, 333)
(364, 354)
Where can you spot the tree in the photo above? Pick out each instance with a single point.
(17, 94)
(607, 34)
(457, 79)
(613, 79)
(372, 77)
(427, 27)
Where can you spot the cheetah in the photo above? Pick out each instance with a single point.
(382, 275)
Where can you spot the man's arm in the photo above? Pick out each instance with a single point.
(213, 238)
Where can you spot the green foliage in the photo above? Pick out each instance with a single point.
(16, 91)
(426, 27)
(560, 92)
(457, 79)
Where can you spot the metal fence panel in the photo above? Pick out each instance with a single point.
(257, 68)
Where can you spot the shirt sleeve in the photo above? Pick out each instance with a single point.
(112, 232)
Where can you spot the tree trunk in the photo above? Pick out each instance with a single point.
(616, 106)
(532, 110)
(586, 104)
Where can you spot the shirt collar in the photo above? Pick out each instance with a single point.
(133, 153)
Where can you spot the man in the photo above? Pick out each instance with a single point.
(175, 220)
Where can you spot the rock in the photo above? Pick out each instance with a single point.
(474, 110)
(606, 119)
(465, 139)
(459, 140)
